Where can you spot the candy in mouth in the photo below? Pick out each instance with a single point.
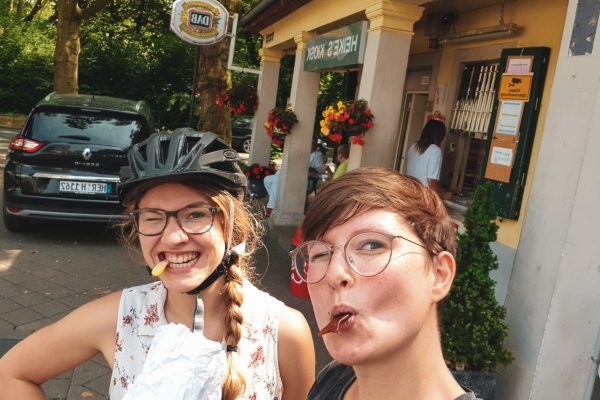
(334, 325)
(159, 268)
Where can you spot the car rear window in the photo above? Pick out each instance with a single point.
(87, 126)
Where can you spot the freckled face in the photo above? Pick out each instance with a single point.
(191, 257)
(389, 309)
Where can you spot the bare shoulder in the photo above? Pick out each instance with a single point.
(103, 310)
(292, 324)
(296, 354)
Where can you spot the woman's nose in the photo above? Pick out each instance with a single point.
(339, 273)
(173, 232)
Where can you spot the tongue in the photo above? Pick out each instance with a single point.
(334, 325)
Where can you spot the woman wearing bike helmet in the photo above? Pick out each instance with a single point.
(183, 198)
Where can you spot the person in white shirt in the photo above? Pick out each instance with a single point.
(316, 167)
(424, 160)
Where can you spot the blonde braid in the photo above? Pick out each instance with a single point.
(234, 383)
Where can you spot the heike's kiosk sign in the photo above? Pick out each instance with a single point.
(199, 22)
(340, 48)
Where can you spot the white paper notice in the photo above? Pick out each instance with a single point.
(519, 65)
(509, 117)
(502, 156)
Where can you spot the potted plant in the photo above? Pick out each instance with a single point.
(280, 122)
(239, 100)
(346, 120)
(255, 174)
(473, 323)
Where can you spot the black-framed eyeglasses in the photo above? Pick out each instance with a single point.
(367, 253)
(193, 219)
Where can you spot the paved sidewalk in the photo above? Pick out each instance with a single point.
(47, 272)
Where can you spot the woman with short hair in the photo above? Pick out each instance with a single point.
(378, 257)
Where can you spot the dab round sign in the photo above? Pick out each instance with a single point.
(199, 22)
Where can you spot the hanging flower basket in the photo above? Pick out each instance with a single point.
(346, 121)
(258, 172)
(239, 100)
(279, 124)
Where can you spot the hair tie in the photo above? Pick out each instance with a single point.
(231, 348)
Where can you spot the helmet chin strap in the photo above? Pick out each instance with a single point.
(230, 257)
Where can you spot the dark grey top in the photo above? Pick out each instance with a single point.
(335, 379)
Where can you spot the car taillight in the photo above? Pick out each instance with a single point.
(19, 143)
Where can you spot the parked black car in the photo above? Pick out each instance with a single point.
(65, 162)
(241, 133)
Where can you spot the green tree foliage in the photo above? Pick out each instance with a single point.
(129, 51)
(25, 62)
(473, 323)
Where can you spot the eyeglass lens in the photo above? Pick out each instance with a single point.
(367, 254)
(192, 219)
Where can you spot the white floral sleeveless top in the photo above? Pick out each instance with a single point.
(141, 312)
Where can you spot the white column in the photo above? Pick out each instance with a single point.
(553, 300)
(267, 95)
(382, 79)
(296, 151)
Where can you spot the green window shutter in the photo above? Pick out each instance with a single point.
(508, 196)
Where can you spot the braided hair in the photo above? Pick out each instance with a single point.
(246, 229)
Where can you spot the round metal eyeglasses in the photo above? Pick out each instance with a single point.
(193, 219)
(367, 253)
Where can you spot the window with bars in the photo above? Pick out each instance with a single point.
(466, 145)
(476, 94)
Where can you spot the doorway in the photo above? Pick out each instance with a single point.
(413, 118)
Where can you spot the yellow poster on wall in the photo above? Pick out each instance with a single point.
(515, 87)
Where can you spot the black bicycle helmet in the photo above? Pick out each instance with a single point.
(182, 155)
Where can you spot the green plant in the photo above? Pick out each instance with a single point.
(473, 323)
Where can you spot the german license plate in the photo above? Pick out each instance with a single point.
(84, 187)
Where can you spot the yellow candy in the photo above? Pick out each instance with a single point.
(159, 268)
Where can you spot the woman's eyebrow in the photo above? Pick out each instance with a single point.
(196, 204)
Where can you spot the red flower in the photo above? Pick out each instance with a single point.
(336, 138)
(238, 100)
(258, 172)
(358, 139)
(279, 124)
(345, 119)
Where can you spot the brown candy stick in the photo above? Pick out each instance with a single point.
(334, 325)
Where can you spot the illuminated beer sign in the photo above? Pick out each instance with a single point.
(199, 22)
(201, 19)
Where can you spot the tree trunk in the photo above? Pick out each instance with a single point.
(66, 53)
(19, 9)
(37, 7)
(214, 79)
